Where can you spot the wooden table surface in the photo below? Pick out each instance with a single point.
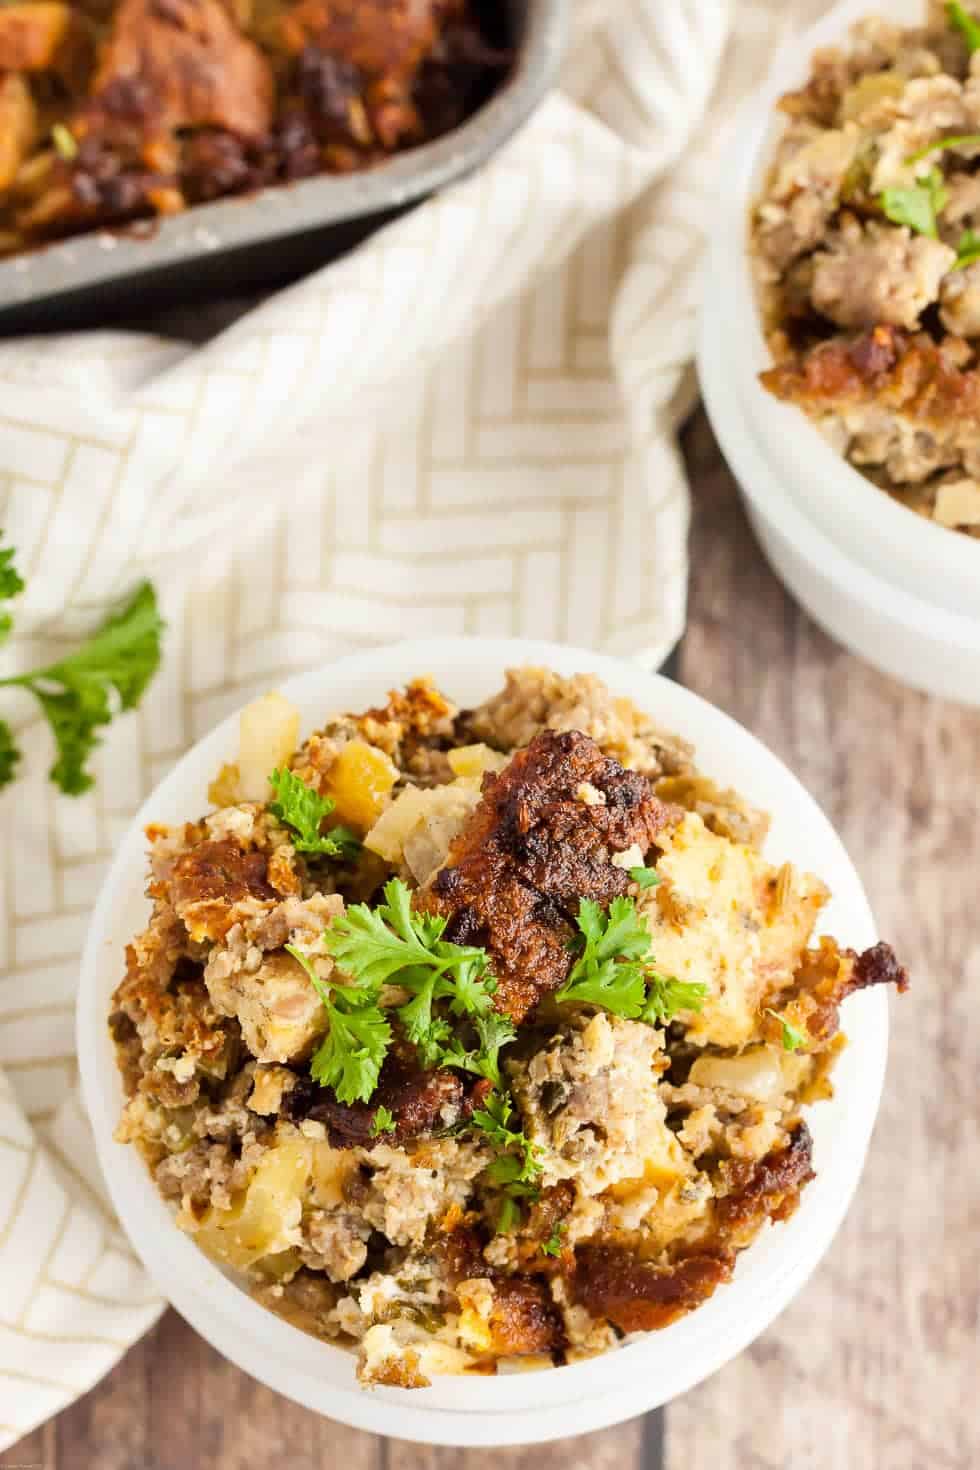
(876, 1365)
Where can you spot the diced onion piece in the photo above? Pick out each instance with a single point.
(474, 760)
(262, 1222)
(388, 835)
(269, 734)
(756, 1073)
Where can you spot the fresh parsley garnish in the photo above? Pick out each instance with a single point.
(350, 1056)
(614, 968)
(305, 810)
(792, 1036)
(81, 693)
(517, 1167)
(9, 754)
(965, 23)
(382, 1122)
(645, 877)
(918, 205)
(666, 996)
(395, 945)
(967, 251)
(957, 140)
(553, 1246)
(11, 585)
(493, 1033)
(508, 1216)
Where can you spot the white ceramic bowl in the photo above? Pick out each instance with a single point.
(525, 1407)
(900, 590)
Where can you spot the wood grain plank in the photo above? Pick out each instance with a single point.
(877, 1362)
(609, 1449)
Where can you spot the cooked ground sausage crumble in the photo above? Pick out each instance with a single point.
(660, 1146)
(865, 250)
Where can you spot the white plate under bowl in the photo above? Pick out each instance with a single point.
(523, 1407)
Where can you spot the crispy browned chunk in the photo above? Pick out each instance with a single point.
(173, 64)
(381, 38)
(210, 879)
(39, 36)
(825, 978)
(639, 1296)
(543, 837)
(768, 1189)
(523, 1318)
(420, 1103)
(220, 870)
(176, 1021)
(359, 60)
(912, 375)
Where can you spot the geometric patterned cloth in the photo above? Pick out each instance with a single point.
(466, 426)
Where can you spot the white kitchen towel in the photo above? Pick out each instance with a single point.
(467, 426)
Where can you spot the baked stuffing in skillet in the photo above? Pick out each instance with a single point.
(477, 1039)
(118, 110)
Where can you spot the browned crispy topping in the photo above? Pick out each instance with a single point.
(220, 871)
(542, 838)
(173, 64)
(523, 1318)
(922, 379)
(767, 1189)
(638, 1296)
(420, 1103)
(826, 977)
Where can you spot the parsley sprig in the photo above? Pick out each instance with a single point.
(553, 1245)
(614, 968)
(965, 23)
(305, 811)
(967, 250)
(80, 694)
(350, 1056)
(517, 1167)
(919, 205)
(792, 1036)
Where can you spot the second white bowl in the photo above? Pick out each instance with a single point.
(899, 590)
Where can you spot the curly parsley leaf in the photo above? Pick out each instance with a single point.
(305, 811)
(792, 1036)
(350, 1056)
(493, 1033)
(553, 1245)
(393, 944)
(918, 205)
(666, 996)
(615, 970)
(645, 877)
(9, 754)
(967, 251)
(80, 694)
(966, 24)
(517, 1165)
(11, 585)
(509, 1216)
(382, 1122)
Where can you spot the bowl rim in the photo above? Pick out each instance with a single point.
(517, 1408)
(862, 518)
